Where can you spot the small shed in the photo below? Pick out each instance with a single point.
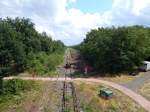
(145, 66)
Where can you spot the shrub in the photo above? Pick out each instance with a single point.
(44, 64)
(15, 86)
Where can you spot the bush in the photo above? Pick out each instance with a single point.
(15, 86)
(44, 64)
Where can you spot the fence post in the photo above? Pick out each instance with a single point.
(1, 84)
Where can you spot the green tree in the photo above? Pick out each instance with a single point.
(19, 41)
(116, 49)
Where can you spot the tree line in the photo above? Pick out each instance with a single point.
(115, 50)
(19, 41)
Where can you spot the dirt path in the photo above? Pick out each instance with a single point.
(136, 97)
(135, 84)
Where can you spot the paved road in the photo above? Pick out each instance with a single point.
(135, 84)
(136, 97)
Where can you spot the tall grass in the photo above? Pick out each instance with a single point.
(90, 101)
(14, 88)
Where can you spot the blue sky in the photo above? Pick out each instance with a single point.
(70, 20)
(92, 6)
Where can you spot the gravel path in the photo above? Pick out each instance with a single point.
(135, 84)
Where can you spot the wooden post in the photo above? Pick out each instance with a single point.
(85, 69)
(33, 73)
(1, 84)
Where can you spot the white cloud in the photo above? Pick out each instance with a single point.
(131, 12)
(71, 25)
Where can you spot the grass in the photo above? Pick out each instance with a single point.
(30, 74)
(14, 92)
(145, 90)
(122, 78)
(91, 102)
(47, 96)
(44, 96)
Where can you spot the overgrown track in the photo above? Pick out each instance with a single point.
(75, 100)
(63, 98)
(69, 95)
(69, 98)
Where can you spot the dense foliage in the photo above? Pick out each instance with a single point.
(19, 41)
(45, 64)
(116, 49)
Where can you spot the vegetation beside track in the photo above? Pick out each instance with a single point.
(43, 64)
(91, 102)
(32, 96)
(145, 90)
(14, 92)
(19, 45)
(116, 49)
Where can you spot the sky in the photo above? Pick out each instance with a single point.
(70, 20)
(91, 6)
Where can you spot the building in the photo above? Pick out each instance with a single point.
(145, 66)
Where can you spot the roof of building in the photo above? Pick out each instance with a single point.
(146, 62)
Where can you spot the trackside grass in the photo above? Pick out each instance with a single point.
(145, 90)
(91, 102)
(14, 92)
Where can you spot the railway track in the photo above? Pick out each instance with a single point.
(69, 98)
(69, 95)
(75, 100)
